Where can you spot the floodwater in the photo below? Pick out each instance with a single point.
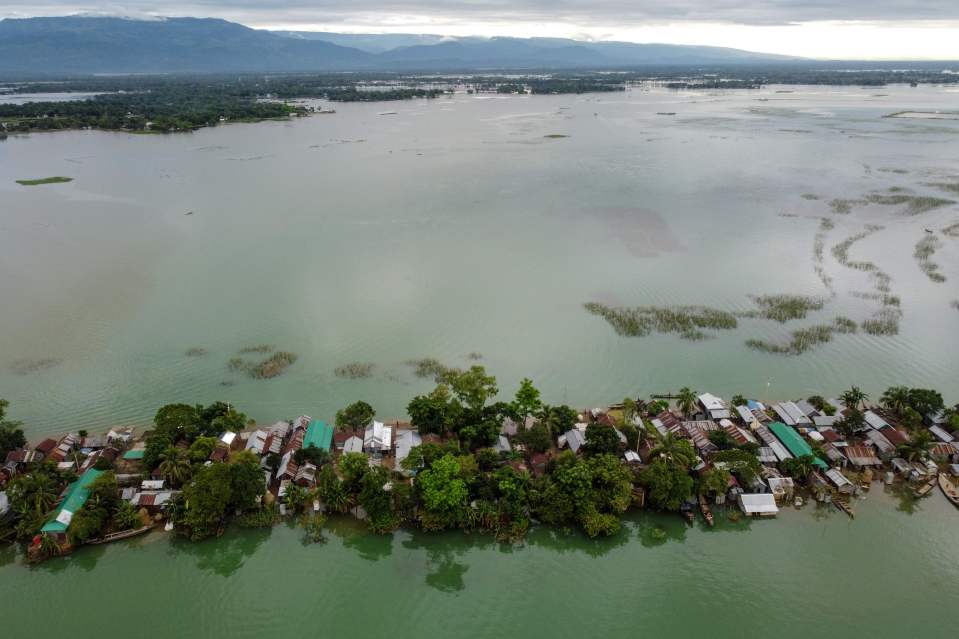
(892, 572)
(457, 226)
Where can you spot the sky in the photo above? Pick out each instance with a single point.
(838, 29)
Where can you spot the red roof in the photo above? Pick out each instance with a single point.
(47, 445)
(830, 436)
(894, 435)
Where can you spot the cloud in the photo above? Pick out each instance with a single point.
(585, 13)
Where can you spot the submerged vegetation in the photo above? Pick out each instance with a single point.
(842, 206)
(428, 367)
(195, 351)
(273, 366)
(802, 340)
(686, 321)
(783, 308)
(914, 204)
(952, 230)
(925, 249)
(28, 366)
(355, 370)
(259, 348)
(56, 179)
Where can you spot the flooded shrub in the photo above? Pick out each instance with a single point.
(355, 370)
(685, 321)
(783, 308)
(925, 249)
(427, 367)
(915, 204)
(273, 366)
(842, 206)
(195, 351)
(802, 340)
(952, 230)
(258, 349)
(844, 325)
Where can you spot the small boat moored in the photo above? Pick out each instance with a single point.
(949, 489)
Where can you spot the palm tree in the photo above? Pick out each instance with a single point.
(44, 492)
(853, 397)
(896, 399)
(49, 546)
(674, 448)
(686, 400)
(917, 447)
(175, 467)
(295, 497)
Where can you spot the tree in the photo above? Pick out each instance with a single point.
(714, 481)
(355, 416)
(721, 439)
(125, 516)
(852, 421)
(918, 446)
(853, 398)
(739, 400)
(686, 401)
(428, 413)
(560, 419)
(353, 466)
(656, 406)
(674, 449)
(376, 499)
(332, 491)
(925, 401)
(537, 439)
(157, 444)
(668, 484)
(630, 411)
(443, 491)
(11, 434)
(246, 480)
(798, 467)
(896, 399)
(295, 497)
(201, 449)
(312, 454)
(473, 387)
(34, 493)
(206, 499)
(175, 467)
(601, 440)
(527, 401)
(178, 420)
(741, 462)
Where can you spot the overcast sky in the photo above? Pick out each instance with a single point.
(900, 29)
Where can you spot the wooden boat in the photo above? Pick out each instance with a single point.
(707, 512)
(687, 512)
(923, 490)
(845, 507)
(949, 489)
(123, 534)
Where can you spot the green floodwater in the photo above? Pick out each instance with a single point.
(809, 573)
(456, 226)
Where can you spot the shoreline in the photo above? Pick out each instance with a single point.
(688, 454)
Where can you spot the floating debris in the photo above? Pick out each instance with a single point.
(195, 351)
(28, 366)
(355, 370)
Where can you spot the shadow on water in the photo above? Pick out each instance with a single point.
(906, 500)
(355, 536)
(444, 553)
(8, 554)
(224, 555)
(84, 558)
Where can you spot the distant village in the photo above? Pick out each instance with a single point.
(463, 462)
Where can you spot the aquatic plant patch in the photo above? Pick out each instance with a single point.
(195, 351)
(925, 249)
(56, 179)
(28, 366)
(783, 308)
(914, 204)
(686, 321)
(355, 370)
(428, 367)
(803, 339)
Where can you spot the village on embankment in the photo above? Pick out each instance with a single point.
(462, 461)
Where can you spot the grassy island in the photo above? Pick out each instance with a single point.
(56, 179)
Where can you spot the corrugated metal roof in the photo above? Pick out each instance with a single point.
(758, 504)
(77, 494)
(941, 434)
(318, 434)
(874, 420)
(796, 444)
(770, 440)
(861, 456)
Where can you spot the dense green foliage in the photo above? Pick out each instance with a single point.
(11, 434)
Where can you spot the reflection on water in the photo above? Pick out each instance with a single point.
(222, 556)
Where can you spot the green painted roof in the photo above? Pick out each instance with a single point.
(794, 442)
(318, 434)
(134, 454)
(77, 494)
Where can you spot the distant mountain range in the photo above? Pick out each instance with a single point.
(81, 45)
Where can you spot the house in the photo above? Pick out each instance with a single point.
(574, 438)
(75, 496)
(781, 487)
(714, 406)
(256, 442)
(832, 454)
(46, 447)
(770, 440)
(901, 466)
(740, 435)
(822, 421)
(305, 475)
(502, 445)
(874, 420)
(120, 435)
(287, 468)
(861, 456)
(632, 457)
(109, 455)
(508, 427)
(153, 501)
(318, 434)
(378, 438)
(152, 484)
(840, 481)
(894, 435)
(794, 443)
(941, 434)
(698, 432)
(538, 463)
(746, 415)
(406, 440)
(758, 505)
(354, 444)
(883, 445)
(766, 455)
(943, 452)
(92, 442)
(791, 415)
(807, 409)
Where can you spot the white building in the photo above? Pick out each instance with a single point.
(378, 438)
